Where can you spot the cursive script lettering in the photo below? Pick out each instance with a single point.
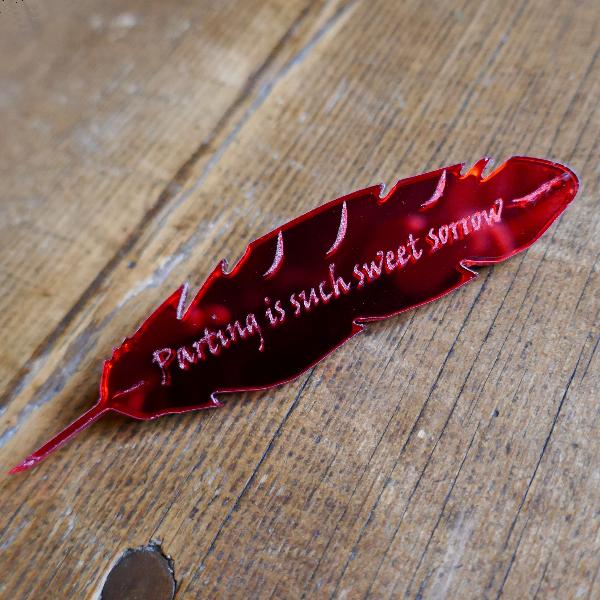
(385, 262)
(458, 230)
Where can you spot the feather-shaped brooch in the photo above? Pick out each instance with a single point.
(304, 289)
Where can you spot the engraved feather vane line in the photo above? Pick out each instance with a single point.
(279, 251)
(302, 290)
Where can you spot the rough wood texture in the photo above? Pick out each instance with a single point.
(452, 452)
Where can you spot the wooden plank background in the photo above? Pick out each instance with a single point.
(449, 453)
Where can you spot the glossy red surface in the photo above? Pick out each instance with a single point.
(304, 289)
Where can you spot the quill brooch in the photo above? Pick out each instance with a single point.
(305, 288)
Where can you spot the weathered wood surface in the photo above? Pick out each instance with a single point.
(451, 452)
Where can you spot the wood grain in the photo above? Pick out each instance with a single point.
(448, 453)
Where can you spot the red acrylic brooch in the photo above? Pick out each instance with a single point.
(302, 290)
